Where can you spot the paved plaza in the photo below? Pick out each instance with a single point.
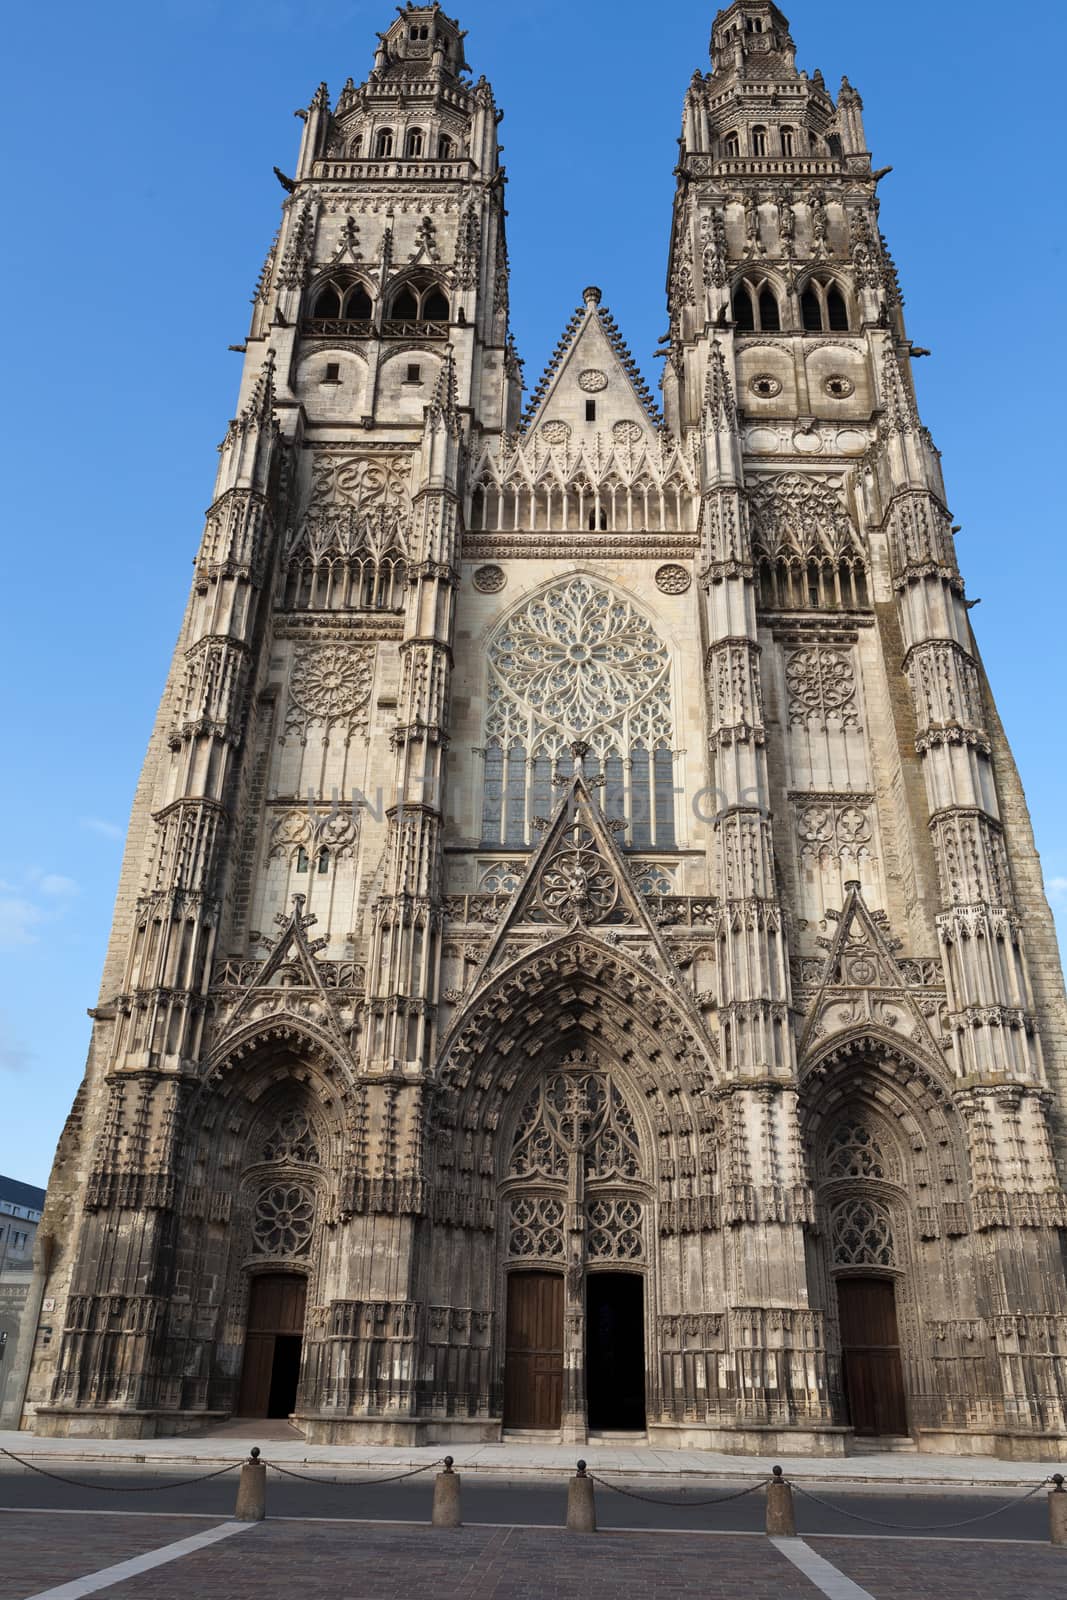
(47, 1554)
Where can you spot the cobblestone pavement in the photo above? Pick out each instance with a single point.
(901, 1569)
(38, 1551)
(337, 1561)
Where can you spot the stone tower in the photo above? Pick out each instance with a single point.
(581, 959)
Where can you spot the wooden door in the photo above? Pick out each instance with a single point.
(870, 1350)
(533, 1359)
(275, 1310)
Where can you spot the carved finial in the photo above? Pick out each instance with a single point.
(579, 750)
(592, 296)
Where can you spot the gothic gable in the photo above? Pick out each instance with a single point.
(862, 986)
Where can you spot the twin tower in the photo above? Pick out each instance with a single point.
(580, 961)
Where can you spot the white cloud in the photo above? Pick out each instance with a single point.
(107, 830)
(18, 919)
(53, 883)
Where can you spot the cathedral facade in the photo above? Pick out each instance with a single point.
(581, 962)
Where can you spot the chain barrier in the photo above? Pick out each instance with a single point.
(922, 1527)
(121, 1488)
(656, 1500)
(357, 1483)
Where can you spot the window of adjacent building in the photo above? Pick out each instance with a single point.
(415, 144)
(731, 145)
(383, 143)
(789, 142)
(759, 141)
(446, 148)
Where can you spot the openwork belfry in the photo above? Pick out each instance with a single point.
(580, 961)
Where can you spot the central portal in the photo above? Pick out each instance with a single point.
(615, 1352)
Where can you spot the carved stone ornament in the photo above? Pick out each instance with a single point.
(490, 580)
(838, 387)
(592, 380)
(822, 686)
(627, 432)
(283, 1220)
(765, 385)
(556, 432)
(577, 884)
(329, 684)
(673, 579)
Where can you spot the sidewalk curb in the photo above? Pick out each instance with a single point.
(554, 1471)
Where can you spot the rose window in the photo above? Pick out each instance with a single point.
(578, 662)
(283, 1220)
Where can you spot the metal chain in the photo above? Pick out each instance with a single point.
(117, 1488)
(922, 1527)
(356, 1483)
(655, 1500)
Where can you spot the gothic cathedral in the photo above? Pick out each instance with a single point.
(581, 962)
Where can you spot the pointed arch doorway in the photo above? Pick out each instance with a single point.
(273, 1345)
(574, 1199)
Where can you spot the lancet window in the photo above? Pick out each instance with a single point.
(418, 307)
(861, 1231)
(579, 662)
(756, 307)
(822, 307)
(340, 305)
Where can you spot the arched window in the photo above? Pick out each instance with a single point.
(789, 142)
(355, 149)
(755, 306)
(405, 305)
(578, 661)
(446, 148)
(731, 146)
(420, 300)
(823, 308)
(770, 322)
(837, 311)
(414, 144)
(357, 304)
(435, 306)
(327, 302)
(759, 141)
(383, 143)
(340, 305)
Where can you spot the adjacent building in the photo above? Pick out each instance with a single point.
(581, 960)
(21, 1205)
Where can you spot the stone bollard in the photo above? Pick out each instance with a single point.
(252, 1490)
(446, 1510)
(781, 1517)
(581, 1507)
(1057, 1511)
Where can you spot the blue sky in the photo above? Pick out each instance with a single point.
(140, 205)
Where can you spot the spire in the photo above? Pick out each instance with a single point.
(720, 410)
(444, 406)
